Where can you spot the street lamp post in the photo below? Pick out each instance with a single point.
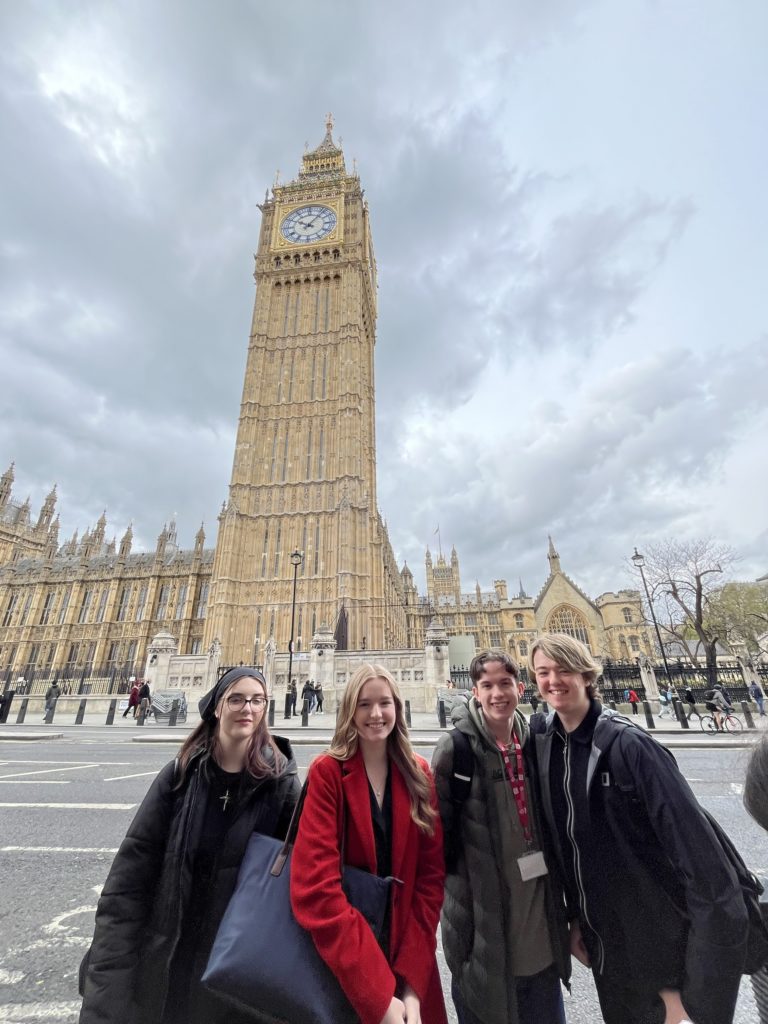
(297, 557)
(639, 561)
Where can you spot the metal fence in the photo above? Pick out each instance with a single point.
(98, 680)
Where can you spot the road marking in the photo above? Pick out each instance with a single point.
(11, 977)
(58, 849)
(138, 775)
(78, 807)
(737, 788)
(46, 771)
(35, 782)
(47, 760)
(25, 1013)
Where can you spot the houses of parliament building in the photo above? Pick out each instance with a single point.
(301, 509)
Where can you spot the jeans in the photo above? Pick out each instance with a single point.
(539, 1000)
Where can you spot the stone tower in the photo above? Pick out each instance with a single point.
(304, 472)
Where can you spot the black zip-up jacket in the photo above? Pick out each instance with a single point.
(124, 977)
(658, 902)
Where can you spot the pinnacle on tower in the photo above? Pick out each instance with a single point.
(6, 483)
(554, 558)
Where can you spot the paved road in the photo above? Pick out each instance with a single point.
(65, 805)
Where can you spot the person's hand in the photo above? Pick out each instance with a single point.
(395, 1012)
(673, 1005)
(578, 949)
(412, 1006)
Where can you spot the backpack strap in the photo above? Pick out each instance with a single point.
(463, 769)
(462, 772)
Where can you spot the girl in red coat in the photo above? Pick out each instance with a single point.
(371, 785)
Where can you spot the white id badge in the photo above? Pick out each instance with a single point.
(532, 865)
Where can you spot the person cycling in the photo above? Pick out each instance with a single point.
(719, 704)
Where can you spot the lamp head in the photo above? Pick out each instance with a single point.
(638, 559)
(297, 557)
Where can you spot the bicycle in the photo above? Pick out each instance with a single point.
(731, 723)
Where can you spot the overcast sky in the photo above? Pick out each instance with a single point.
(570, 218)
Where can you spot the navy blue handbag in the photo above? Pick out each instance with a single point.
(263, 960)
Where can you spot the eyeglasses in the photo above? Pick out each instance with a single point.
(237, 701)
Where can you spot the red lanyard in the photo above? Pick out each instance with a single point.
(517, 782)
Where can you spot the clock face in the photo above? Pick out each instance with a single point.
(308, 224)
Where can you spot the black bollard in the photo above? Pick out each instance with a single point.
(5, 705)
(111, 713)
(173, 716)
(51, 711)
(747, 714)
(408, 713)
(544, 708)
(305, 712)
(680, 712)
(612, 705)
(80, 713)
(141, 715)
(271, 713)
(287, 704)
(441, 714)
(22, 711)
(648, 715)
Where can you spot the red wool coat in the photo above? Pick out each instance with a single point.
(340, 933)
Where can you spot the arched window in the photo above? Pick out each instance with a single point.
(567, 620)
(518, 621)
(627, 613)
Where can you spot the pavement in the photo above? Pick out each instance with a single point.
(424, 730)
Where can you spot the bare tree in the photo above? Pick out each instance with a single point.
(683, 577)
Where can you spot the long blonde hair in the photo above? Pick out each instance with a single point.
(345, 743)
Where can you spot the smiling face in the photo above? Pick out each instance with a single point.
(498, 693)
(237, 725)
(564, 689)
(375, 713)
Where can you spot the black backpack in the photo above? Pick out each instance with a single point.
(461, 783)
(751, 887)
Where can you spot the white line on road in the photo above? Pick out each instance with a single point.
(46, 771)
(25, 1013)
(58, 849)
(10, 977)
(138, 775)
(30, 760)
(35, 782)
(78, 807)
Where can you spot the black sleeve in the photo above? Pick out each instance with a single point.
(714, 901)
(108, 983)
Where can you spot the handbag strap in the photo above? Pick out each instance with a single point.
(293, 828)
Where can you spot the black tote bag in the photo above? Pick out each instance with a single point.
(262, 959)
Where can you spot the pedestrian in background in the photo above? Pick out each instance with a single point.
(758, 697)
(633, 700)
(372, 798)
(690, 700)
(319, 696)
(51, 696)
(294, 696)
(133, 699)
(176, 869)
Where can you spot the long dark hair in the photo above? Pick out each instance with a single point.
(756, 784)
(203, 741)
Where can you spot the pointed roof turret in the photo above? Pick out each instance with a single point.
(554, 558)
(326, 161)
(199, 541)
(126, 541)
(6, 483)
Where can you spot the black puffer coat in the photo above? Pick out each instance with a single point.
(124, 977)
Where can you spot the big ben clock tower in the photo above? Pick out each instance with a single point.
(304, 472)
